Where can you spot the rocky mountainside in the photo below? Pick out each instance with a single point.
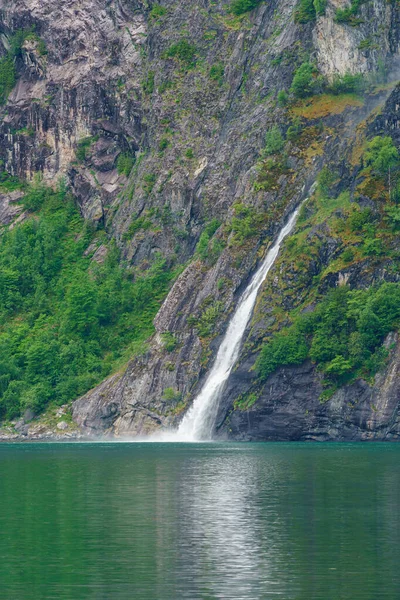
(189, 132)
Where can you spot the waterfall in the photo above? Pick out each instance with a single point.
(198, 423)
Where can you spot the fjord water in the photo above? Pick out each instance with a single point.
(198, 423)
(199, 521)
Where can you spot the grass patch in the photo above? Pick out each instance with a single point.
(324, 105)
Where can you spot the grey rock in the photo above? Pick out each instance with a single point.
(29, 415)
(62, 425)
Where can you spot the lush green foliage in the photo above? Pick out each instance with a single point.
(171, 395)
(305, 12)
(320, 6)
(245, 223)
(349, 14)
(9, 183)
(40, 44)
(8, 77)
(83, 147)
(217, 72)
(125, 163)
(325, 179)
(206, 248)
(274, 142)
(205, 323)
(306, 81)
(347, 84)
(343, 335)
(282, 98)
(294, 130)
(382, 154)
(286, 348)
(170, 342)
(66, 322)
(240, 7)
(157, 11)
(148, 83)
(8, 71)
(182, 51)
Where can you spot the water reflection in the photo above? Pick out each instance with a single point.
(199, 522)
(218, 531)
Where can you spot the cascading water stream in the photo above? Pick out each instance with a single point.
(198, 423)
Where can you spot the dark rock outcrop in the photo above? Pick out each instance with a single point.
(288, 407)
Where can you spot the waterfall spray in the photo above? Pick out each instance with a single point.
(198, 423)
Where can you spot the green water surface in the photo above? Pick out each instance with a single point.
(199, 522)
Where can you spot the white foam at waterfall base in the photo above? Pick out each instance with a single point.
(198, 423)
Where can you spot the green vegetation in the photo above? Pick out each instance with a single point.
(341, 330)
(189, 154)
(163, 144)
(348, 15)
(182, 51)
(368, 44)
(170, 342)
(171, 395)
(343, 335)
(325, 179)
(347, 84)
(282, 98)
(217, 72)
(125, 163)
(274, 142)
(240, 7)
(65, 321)
(148, 83)
(9, 183)
(306, 81)
(142, 223)
(149, 180)
(205, 323)
(382, 155)
(84, 146)
(269, 172)
(157, 12)
(8, 69)
(245, 223)
(307, 10)
(320, 6)
(323, 105)
(245, 401)
(294, 130)
(8, 77)
(40, 44)
(207, 249)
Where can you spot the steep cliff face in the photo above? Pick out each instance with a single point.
(68, 91)
(156, 115)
